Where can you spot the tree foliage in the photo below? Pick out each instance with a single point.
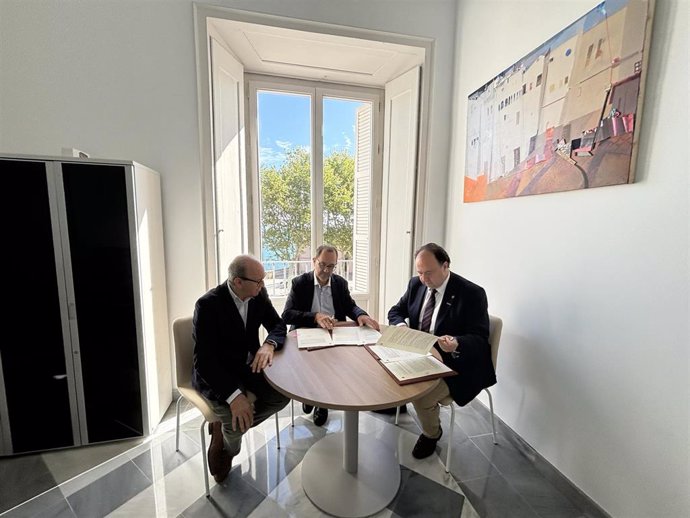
(286, 204)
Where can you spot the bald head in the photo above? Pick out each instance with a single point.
(246, 275)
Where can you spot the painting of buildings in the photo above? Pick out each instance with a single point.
(565, 116)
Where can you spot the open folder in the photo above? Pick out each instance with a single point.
(317, 337)
(404, 353)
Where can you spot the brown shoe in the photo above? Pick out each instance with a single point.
(219, 461)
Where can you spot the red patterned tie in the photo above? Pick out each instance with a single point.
(428, 312)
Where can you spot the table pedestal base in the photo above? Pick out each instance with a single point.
(333, 490)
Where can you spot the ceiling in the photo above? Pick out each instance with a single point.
(322, 57)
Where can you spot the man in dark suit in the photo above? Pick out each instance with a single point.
(441, 302)
(229, 360)
(320, 298)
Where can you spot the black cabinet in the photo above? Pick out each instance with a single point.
(85, 356)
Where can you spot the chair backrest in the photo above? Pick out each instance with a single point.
(495, 328)
(184, 350)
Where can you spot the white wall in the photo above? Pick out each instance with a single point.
(592, 285)
(117, 78)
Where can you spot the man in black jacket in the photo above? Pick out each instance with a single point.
(321, 298)
(441, 302)
(228, 359)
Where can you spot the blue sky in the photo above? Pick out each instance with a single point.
(284, 123)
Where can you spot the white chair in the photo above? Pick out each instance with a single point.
(495, 329)
(184, 353)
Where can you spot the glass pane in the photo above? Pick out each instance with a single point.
(285, 186)
(346, 171)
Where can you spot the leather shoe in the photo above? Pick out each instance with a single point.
(307, 408)
(219, 461)
(425, 446)
(392, 410)
(320, 416)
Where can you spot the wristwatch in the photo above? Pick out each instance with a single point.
(272, 342)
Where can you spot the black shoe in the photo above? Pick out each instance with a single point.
(392, 410)
(320, 416)
(425, 446)
(307, 408)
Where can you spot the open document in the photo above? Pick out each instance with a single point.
(405, 355)
(317, 337)
(313, 338)
(351, 335)
(403, 338)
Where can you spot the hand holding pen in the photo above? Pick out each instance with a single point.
(325, 321)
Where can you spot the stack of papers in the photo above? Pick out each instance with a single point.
(404, 354)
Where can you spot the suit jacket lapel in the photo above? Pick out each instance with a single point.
(450, 300)
(233, 311)
(416, 306)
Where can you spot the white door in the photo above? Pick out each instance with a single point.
(400, 134)
(229, 178)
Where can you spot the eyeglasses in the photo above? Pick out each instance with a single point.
(259, 283)
(325, 266)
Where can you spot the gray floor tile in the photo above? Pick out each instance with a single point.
(471, 421)
(493, 497)
(109, 492)
(420, 497)
(171, 459)
(543, 497)
(51, 504)
(23, 477)
(467, 461)
(234, 497)
(504, 455)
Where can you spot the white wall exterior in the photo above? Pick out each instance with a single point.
(592, 285)
(117, 79)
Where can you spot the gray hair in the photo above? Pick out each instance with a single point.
(326, 248)
(238, 266)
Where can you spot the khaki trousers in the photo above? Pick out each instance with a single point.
(428, 410)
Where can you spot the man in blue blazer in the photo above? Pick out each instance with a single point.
(229, 360)
(320, 298)
(441, 302)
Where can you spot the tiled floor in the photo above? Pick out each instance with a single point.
(145, 478)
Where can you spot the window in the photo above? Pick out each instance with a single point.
(589, 54)
(538, 79)
(314, 169)
(600, 52)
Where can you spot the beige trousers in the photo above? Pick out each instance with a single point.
(428, 410)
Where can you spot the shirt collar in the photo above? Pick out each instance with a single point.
(442, 288)
(316, 282)
(234, 295)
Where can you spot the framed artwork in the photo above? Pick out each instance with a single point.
(566, 116)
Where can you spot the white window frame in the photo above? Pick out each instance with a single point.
(317, 91)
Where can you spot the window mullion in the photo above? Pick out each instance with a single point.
(317, 170)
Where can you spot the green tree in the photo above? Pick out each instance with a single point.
(286, 202)
(338, 201)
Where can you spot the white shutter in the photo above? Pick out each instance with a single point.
(362, 224)
(229, 177)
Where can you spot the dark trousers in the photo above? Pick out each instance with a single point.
(268, 402)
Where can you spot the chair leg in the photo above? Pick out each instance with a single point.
(491, 406)
(277, 431)
(292, 412)
(397, 415)
(203, 456)
(450, 436)
(177, 428)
